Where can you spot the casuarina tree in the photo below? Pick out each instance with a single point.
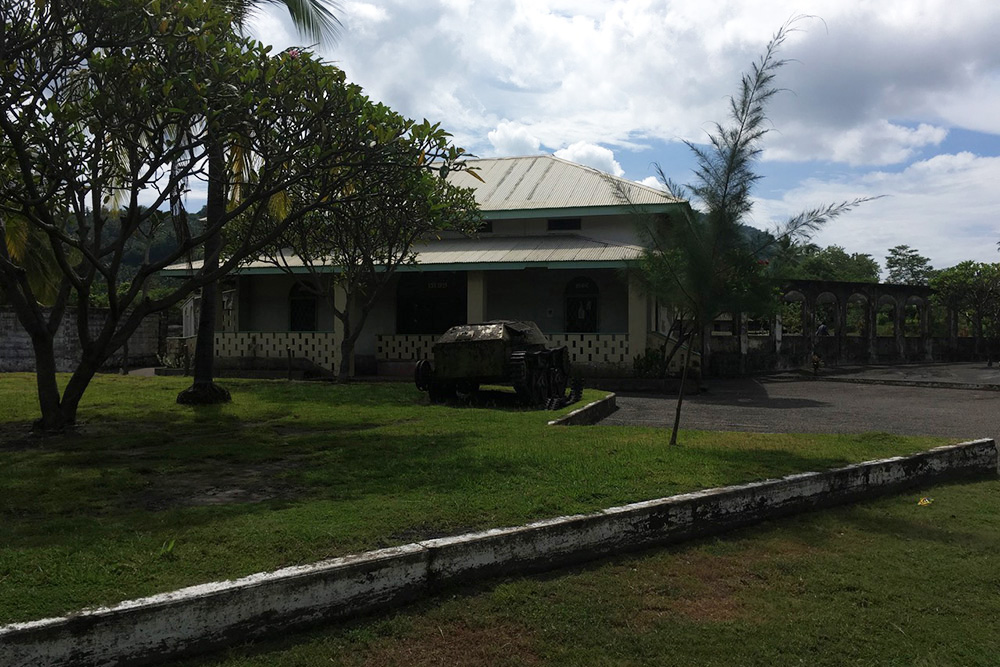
(703, 262)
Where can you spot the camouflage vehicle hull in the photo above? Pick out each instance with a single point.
(499, 352)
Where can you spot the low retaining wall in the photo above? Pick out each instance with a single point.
(199, 618)
(591, 413)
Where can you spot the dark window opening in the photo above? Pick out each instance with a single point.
(564, 224)
(430, 303)
(582, 306)
(301, 309)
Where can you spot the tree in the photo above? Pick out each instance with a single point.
(703, 264)
(907, 267)
(107, 103)
(357, 241)
(972, 290)
(810, 262)
(315, 19)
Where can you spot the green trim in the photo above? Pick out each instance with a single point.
(412, 268)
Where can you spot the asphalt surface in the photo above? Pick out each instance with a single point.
(804, 405)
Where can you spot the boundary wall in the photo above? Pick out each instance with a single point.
(200, 618)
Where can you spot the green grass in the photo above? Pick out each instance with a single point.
(148, 496)
(887, 582)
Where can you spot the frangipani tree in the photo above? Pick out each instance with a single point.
(362, 234)
(314, 19)
(116, 103)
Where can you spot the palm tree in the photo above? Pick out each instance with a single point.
(314, 19)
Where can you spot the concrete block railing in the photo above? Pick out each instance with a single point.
(199, 618)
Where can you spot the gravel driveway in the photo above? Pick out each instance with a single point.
(810, 406)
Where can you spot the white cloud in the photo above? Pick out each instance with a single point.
(513, 139)
(869, 84)
(592, 155)
(876, 143)
(653, 182)
(616, 71)
(946, 207)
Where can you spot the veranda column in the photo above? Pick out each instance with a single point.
(638, 318)
(475, 310)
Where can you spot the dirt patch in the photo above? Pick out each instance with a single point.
(458, 644)
(711, 588)
(223, 484)
(18, 436)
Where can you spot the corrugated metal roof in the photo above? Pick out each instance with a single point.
(547, 182)
(517, 250)
(524, 250)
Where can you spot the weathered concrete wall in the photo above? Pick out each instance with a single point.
(588, 414)
(158, 628)
(16, 353)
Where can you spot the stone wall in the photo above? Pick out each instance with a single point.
(16, 353)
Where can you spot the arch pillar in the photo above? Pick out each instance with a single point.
(841, 330)
(899, 333)
(871, 326)
(927, 341)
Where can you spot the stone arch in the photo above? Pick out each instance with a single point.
(793, 313)
(827, 312)
(914, 316)
(885, 316)
(856, 315)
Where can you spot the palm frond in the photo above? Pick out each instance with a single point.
(315, 19)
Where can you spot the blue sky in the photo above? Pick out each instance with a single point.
(898, 97)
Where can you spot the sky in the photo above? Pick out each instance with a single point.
(891, 98)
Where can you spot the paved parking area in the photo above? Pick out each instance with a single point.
(804, 405)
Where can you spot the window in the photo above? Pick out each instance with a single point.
(564, 224)
(582, 306)
(301, 309)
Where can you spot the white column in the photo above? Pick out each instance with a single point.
(638, 318)
(475, 311)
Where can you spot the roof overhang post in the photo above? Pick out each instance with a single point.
(476, 300)
(638, 317)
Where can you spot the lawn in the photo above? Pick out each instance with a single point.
(887, 582)
(148, 496)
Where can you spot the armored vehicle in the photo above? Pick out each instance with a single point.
(498, 352)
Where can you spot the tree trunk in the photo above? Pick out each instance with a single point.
(203, 390)
(48, 390)
(347, 343)
(75, 388)
(680, 393)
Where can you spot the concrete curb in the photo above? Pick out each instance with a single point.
(588, 414)
(915, 383)
(199, 618)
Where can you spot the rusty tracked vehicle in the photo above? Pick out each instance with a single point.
(498, 352)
